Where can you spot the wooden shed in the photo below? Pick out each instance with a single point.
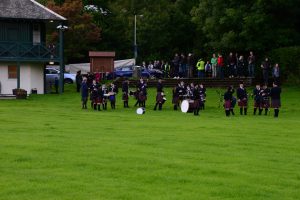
(101, 62)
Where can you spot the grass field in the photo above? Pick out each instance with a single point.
(52, 149)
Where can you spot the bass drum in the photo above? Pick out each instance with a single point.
(140, 111)
(185, 106)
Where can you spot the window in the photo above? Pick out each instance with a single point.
(12, 72)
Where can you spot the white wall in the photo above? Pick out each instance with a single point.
(7, 85)
(31, 76)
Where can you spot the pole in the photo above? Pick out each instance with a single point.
(18, 75)
(135, 45)
(61, 60)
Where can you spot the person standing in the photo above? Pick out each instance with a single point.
(113, 90)
(275, 96)
(265, 70)
(265, 99)
(125, 97)
(251, 65)
(78, 80)
(242, 99)
(227, 101)
(257, 98)
(208, 69)
(241, 66)
(220, 66)
(231, 64)
(276, 73)
(214, 62)
(189, 65)
(84, 93)
(201, 68)
(159, 95)
(166, 68)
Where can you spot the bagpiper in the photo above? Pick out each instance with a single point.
(242, 99)
(275, 97)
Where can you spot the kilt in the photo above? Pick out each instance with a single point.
(257, 104)
(112, 98)
(142, 97)
(265, 104)
(242, 103)
(159, 98)
(175, 100)
(276, 103)
(125, 96)
(227, 105)
(196, 104)
(97, 100)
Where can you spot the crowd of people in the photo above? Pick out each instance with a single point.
(234, 65)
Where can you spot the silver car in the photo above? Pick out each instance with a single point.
(52, 73)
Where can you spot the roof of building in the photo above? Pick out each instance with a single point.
(27, 9)
(102, 54)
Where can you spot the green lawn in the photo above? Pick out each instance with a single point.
(52, 149)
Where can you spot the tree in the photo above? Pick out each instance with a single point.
(82, 34)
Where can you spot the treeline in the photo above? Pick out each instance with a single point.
(167, 26)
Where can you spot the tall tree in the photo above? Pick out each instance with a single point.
(82, 34)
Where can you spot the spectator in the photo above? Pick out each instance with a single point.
(189, 65)
(201, 68)
(175, 66)
(220, 66)
(208, 69)
(241, 66)
(182, 66)
(251, 65)
(231, 65)
(276, 73)
(214, 62)
(265, 70)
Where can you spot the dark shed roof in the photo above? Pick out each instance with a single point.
(27, 9)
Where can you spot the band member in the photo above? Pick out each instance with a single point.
(265, 103)
(275, 96)
(159, 95)
(233, 100)
(142, 93)
(197, 100)
(99, 99)
(93, 97)
(105, 96)
(84, 93)
(227, 101)
(181, 91)
(202, 95)
(242, 99)
(257, 98)
(175, 98)
(113, 90)
(125, 97)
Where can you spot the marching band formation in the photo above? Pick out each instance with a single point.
(188, 97)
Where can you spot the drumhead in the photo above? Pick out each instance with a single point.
(140, 111)
(185, 106)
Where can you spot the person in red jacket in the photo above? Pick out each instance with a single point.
(220, 66)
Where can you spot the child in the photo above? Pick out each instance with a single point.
(208, 69)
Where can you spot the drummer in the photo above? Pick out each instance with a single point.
(202, 96)
(105, 96)
(160, 100)
(113, 90)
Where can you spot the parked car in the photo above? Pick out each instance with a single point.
(128, 72)
(51, 73)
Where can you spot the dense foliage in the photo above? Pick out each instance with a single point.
(168, 26)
